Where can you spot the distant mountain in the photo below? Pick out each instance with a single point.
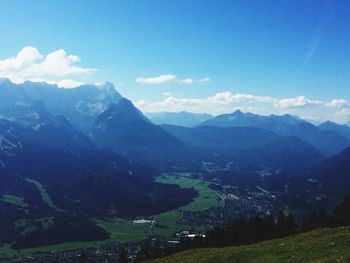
(31, 115)
(343, 130)
(329, 142)
(65, 115)
(61, 135)
(125, 130)
(235, 119)
(80, 105)
(183, 118)
(56, 131)
(249, 146)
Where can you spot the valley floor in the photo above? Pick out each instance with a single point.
(322, 245)
(124, 230)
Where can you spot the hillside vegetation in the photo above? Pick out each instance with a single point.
(321, 245)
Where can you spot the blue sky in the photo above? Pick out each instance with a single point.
(277, 48)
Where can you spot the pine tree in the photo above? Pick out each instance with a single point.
(342, 213)
(281, 224)
(123, 255)
(82, 258)
(290, 224)
(156, 251)
(322, 218)
(144, 252)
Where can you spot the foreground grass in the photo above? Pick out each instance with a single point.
(322, 245)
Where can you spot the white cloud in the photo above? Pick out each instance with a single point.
(206, 79)
(338, 103)
(162, 79)
(300, 101)
(226, 102)
(167, 94)
(68, 83)
(316, 38)
(30, 64)
(218, 103)
(186, 81)
(168, 78)
(24, 59)
(343, 116)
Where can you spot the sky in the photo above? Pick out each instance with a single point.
(275, 56)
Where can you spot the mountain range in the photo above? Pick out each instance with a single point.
(182, 118)
(343, 130)
(50, 169)
(80, 105)
(97, 116)
(247, 147)
(329, 141)
(70, 155)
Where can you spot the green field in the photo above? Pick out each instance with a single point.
(322, 245)
(7, 253)
(122, 230)
(44, 194)
(167, 223)
(15, 200)
(206, 197)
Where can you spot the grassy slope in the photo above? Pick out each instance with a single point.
(15, 200)
(44, 194)
(322, 245)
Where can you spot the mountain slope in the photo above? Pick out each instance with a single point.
(252, 146)
(125, 130)
(183, 118)
(235, 119)
(324, 185)
(40, 181)
(343, 130)
(322, 245)
(332, 175)
(56, 131)
(328, 141)
(84, 173)
(80, 105)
